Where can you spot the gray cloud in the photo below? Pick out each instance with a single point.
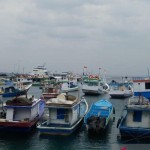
(67, 35)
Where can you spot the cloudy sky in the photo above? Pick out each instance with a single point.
(67, 35)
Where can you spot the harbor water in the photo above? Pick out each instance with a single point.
(80, 140)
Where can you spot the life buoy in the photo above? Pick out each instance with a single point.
(90, 76)
(96, 77)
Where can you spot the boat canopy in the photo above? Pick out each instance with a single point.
(102, 103)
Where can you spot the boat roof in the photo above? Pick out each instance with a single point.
(102, 103)
(22, 101)
(138, 102)
(62, 100)
(141, 79)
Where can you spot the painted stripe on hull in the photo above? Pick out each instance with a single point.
(91, 92)
(144, 94)
(59, 131)
(16, 129)
(134, 132)
(119, 96)
(70, 89)
(13, 94)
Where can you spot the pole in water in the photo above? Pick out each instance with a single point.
(148, 73)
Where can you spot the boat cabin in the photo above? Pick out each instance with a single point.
(63, 110)
(137, 112)
(141, 87)
(21, 109)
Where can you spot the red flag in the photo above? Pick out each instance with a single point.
(85, 66)
(123, 148)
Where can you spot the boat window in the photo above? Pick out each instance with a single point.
(137, 116)
(92, 84)
(60, 113)
(147, 85)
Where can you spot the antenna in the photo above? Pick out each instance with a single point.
(148, 73)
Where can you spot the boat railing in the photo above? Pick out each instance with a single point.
(138, 101)
(138, 78)
(99, 112)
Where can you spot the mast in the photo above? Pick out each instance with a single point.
(148, 73)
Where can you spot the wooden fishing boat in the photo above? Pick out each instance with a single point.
(69, 86)
(50, 91)
(141, 87)
(14, 90)
(121, 90)
(63, 115)
(98, 117)
(134, 121)
(94, 86)
(21, 114)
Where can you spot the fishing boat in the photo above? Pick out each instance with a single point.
(21, 114)
(50, 91)
(25, 81)
(14, 90)
(135, 119)
(120, 90)
(39, 74)
(63, 115)
(69, 86)
(141, 87)
(94, 86)
(98, 116)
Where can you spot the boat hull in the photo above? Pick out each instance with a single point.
(128, 132)
(60, 130)
(19, 93)
(120, 95)
(51, 95)
(9, 126)
(69, 89)
(91, 92)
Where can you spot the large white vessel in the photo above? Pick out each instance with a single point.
(38, 75)
(39, 71)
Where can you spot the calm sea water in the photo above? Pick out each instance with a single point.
(79, 140)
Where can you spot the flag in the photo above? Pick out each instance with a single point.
(85, 66)
(123, 148)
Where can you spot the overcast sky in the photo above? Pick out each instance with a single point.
(67, 35)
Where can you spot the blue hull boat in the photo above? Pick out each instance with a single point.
(134, 121)
(141, 87)
(99, 115)
(12, 91)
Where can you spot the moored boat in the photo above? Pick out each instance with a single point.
(38, 75)
(21, 114)
(94, 86)
(69, 86)
(14, 90)
(120, 90)
(50, 91)
(63, 115)
(98, 117)
(141, 87)
(134, 121)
